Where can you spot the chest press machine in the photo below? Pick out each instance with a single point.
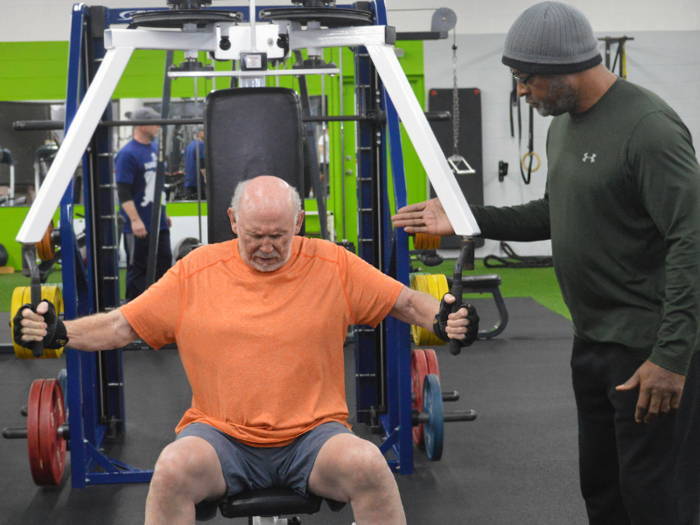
(254, 117)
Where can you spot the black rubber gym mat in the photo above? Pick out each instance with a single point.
(515, 464)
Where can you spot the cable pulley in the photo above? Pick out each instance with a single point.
(457, 162)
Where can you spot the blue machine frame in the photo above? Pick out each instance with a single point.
(95, 397)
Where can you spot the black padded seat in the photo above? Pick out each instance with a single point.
(249, 132)
(478, 283)
(273, 502)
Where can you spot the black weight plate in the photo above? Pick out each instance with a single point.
(179, 17)
(184, 247)
(326, 17)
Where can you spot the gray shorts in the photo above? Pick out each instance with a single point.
(249, 468)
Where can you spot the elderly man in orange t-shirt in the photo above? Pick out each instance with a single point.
(260, 323)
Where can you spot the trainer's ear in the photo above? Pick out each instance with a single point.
(232, 218)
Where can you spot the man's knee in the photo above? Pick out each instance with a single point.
(365, 465)
(183, 464)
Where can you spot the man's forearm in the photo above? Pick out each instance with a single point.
(130, 209)
(416, 308)
(100, 332)
(525, 222)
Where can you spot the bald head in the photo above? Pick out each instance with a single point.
(265, 213)
(265, 194)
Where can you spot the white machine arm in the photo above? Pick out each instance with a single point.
(383, 56)
(423, 139)
(122, 42)
(71, 151)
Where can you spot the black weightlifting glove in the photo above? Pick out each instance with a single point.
(440, 323)
(56, 335)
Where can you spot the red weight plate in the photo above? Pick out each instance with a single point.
(33, 435)
(52, 447)
(419, 369)
(431, 357)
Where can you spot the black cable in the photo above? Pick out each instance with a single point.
(530, 149)
(514, 260)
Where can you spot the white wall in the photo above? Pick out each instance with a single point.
(45, 20)
(666, 62)
(496, 16)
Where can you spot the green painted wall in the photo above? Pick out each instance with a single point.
(11, 220)
(38, 71)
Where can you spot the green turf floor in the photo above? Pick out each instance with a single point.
(538, 283)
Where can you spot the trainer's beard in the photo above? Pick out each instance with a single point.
(566, 99)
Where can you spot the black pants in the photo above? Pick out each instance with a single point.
(634, 473)
(137, 256)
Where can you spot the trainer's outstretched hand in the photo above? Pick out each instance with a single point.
(424, 217)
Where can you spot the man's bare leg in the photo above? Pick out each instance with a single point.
(187, 472)
(353, 470)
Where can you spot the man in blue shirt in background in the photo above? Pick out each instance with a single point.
(191, 168)
(136, 165)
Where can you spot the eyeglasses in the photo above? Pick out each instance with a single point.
(521, 79)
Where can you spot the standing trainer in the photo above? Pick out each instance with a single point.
(191, 168)
(136, 166)
(622, 208)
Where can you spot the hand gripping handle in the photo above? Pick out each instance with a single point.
(465, 261)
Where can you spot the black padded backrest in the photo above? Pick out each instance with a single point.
(249, 132)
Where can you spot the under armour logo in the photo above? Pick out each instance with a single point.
(586, 157)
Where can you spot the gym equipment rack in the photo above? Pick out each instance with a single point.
(95, 384)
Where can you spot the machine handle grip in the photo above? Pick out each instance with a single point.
(35, 289)
(465, 261)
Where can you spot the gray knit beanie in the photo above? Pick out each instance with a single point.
(551, 38)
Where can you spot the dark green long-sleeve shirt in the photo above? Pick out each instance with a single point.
(622, 207)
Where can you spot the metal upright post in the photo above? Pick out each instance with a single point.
(101, 188)
(75, 300)
(154, 233)
(369, 343)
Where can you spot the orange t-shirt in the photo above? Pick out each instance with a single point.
(263, 351)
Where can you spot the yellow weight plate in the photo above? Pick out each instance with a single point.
(414, 329)
(420, 334)
(17, 302)
(432, 285)
(53, 294)
(23, 295)
(433, 289)
(443, 287)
